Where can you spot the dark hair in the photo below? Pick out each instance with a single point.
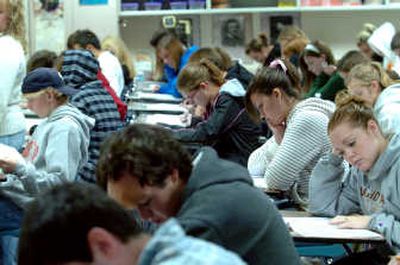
(323, 49)
(160, 34)
(395, 43)
(56, 224)
(83, 37)
(351, 59)
(146, 152)
(42, 58)
(257, 44)
(268, 78)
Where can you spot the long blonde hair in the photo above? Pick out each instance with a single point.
(367, 72)
(117, 47)
(16, 21)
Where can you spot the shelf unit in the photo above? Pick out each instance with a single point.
(209, 10)
(336, 25)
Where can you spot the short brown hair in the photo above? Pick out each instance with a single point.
(256, 44)
(351, 59)
(147, 152)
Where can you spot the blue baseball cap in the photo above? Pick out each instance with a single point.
(42, 78)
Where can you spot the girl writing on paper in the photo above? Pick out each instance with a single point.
(226, 126)
(367, 197)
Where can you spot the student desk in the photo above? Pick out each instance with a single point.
(154, 108)
(319, 231)
(322, 244)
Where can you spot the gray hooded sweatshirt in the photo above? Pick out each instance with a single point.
(57, 150)
(375, 193)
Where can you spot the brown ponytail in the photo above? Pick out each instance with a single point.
(352, 109)
(194, 73)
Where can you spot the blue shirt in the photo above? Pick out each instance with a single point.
(170, 245)
(172, 75)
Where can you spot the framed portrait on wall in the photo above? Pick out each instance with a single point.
(230, 33)
(48, 27)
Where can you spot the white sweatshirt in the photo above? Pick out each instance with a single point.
(12, 72)
(112, 70)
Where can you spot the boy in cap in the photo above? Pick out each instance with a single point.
(57, 150)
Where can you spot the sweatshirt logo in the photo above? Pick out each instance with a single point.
(373, 198)
(31, 151)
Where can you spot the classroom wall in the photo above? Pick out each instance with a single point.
(101, 19)
(339, 29)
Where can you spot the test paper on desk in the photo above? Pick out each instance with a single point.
(159, 107)
(173, 120)
(156, 96)
(319, 227)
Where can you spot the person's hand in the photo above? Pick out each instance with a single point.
(278, 130)
(9, 158)
(328, 69)
(186, 118)
(199, 111)
(395, 260)
(351, 221)
(188, 104)
(154, 88)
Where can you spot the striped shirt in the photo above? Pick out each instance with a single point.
(79, 70)
(304, 142)
(97, 103)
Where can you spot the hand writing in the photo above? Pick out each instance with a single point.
(278, 131)
(351, 221)
(9, 158)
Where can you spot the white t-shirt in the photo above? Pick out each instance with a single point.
(112, 70)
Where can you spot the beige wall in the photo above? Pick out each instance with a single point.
(101, 19)
(339, 29)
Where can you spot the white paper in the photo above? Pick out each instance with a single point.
(259, 182)
(158, 107)
(173, 120)
(319, 227)
(155, 96)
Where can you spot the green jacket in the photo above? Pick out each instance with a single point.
(326, 86)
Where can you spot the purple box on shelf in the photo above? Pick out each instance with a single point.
(178, 5)
(152, 5)
(129, 6)
(197, 4)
